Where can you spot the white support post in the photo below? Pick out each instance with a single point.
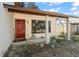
(47, 40)
(68, 30)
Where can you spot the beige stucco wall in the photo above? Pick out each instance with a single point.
(28, 19)
(55, 29)
(6, 29)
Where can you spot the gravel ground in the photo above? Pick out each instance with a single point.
(66, 49)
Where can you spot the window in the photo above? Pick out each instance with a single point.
(38, 26)
(77, 28)
(49, 26)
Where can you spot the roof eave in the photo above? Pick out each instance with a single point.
(12, 8)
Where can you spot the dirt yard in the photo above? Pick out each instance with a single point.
(66, 49)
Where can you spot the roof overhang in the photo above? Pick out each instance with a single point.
(74, 23)
(12, 8)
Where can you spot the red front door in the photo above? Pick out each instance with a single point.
(20, 29)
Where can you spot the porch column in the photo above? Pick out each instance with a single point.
(68, 29)
(47, 40)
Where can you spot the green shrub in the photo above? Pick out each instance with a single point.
(53, 40)
(75, 37)
(62, 34)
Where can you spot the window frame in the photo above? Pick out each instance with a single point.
(38, 27)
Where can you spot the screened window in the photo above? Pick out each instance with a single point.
(38, 26)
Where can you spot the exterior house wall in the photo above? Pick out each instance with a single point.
(6, 29)
(28, 19)
(55, 29)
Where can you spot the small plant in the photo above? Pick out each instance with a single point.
(62, 34)
(59, 40)
(52, 41)
(53, 37)
(33, 37)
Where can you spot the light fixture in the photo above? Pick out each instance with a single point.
(36, 21)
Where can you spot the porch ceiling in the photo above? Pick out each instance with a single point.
(74, 23)
(12, 8)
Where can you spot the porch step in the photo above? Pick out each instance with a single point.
(19, 39)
